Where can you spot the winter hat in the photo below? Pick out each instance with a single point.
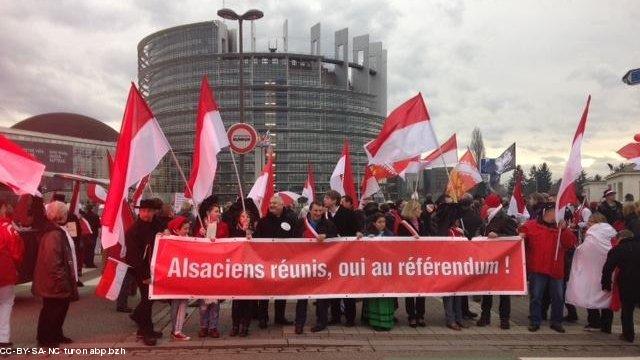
(175, 224)
(492, 204)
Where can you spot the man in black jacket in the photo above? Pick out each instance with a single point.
(314, 225)
(625, 257)
(498, 224)
(347, 224)
(279, 223)
(611, 209)
(139, 240)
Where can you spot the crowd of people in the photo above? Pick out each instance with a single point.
(602, 235)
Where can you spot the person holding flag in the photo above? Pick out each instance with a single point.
(546, 272)
(139, 240)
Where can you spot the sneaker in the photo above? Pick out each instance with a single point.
(590, 327)
(214, 333)
(179, 337)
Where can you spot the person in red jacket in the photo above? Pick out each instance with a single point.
(11, 255)
(545, 269)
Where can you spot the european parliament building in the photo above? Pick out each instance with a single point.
(307, 103)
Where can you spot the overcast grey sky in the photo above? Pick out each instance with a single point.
(519, 70)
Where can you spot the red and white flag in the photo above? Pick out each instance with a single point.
(464, 176)
(211, 138)
(573, 169)
(96, 193)
(342, 179)
(289, 198)
(518, 204)
(631, 152)
(309, 188)
(141, 146)
(139, 191)
(262, 189)
(369, 185)
(74, 205)
(446, 154)
(112, 278)
(19, 170)
(407, 132)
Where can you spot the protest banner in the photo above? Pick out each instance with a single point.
(184, 268)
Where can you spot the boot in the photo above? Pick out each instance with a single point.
(235, 329)
(485, 320)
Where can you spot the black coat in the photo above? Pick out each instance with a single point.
(501, 224)
(139, 240)
(325, 226)
(471, 222)
(403, 231)
(613, 214)
(346, 221)
(632, 223)
(272, 226)
(626, 257)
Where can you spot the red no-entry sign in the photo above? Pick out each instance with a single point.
(243, 138)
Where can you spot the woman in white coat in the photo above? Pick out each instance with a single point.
(584, 288)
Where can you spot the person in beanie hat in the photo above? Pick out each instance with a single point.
(612, 210)
(179, 226)
(139, 240)
(626, 258)
(498, 223)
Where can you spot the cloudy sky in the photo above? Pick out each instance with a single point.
(519, 70)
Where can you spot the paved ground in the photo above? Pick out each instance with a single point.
(93, 323)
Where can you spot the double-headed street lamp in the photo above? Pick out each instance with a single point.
(252, 14)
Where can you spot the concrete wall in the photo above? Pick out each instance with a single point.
(342, 71)
(628, 183)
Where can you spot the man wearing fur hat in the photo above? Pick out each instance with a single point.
(139, 241)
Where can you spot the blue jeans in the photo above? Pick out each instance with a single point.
(452, 309)
(209, 315)
(537, 285)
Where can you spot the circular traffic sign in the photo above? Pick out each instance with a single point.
(242, 138)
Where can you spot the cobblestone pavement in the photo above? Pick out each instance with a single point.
(93, 323)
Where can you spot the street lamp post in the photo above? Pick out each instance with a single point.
(249, 15)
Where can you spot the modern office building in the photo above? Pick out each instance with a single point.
(308, 103)
(66, 143)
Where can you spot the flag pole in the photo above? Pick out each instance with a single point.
(184, 178)
(235, 167)
(444, 162)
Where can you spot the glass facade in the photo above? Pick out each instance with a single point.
(293, 97)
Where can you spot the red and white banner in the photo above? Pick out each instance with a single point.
(262, 190)
(19, 170)
(184, 268)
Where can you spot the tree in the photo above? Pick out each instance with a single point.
(580, 182)
(543, 178)
(597, 177)
(530, 183)
(477, 145)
